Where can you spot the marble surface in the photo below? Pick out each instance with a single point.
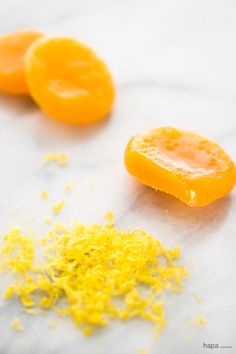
(173, 64)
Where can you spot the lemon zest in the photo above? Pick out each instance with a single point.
(16, 325)
(101, 272)
(199, 320)
(87, 331)
(58, 206)
(44, 195)
(59, 158)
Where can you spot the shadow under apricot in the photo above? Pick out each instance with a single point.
(46, 128)
(49, 129)
(188, 221)
(18, 104)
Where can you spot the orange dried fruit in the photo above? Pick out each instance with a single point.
(185, 164)
(68, 81)
(13, 47)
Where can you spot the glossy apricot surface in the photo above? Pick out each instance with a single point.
(182, 163)
(13, 47)
(68, 81)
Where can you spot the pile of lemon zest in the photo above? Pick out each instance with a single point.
(68, 186)
(199, 320)
(18, 251)
(48, 220)
(60, 159)
(58, 206)
(16, 325)
(44, 195)
(91, 267)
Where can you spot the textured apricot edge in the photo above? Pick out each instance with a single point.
(190, 194)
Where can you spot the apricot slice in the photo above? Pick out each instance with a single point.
(68, 81)
(185, 164)
(13, 47)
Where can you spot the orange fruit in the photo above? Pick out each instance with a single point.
(185, 164)
(13, 47)
(68, 81)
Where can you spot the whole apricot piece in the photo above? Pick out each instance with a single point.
(185, 164)
(68, 81)
(13, 47)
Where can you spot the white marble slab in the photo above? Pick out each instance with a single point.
(174, 63)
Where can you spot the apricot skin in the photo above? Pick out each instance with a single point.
(13, 47)
(68, 81)
(184, 164)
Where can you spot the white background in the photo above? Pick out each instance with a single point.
(174, 63)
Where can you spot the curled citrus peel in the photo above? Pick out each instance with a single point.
(185, 164)
(13, 47)
(68, 81)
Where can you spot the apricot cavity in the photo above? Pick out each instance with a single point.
(185, 164)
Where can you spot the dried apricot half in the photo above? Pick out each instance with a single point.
(68, 81)
(13, 47)
(185, 164)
